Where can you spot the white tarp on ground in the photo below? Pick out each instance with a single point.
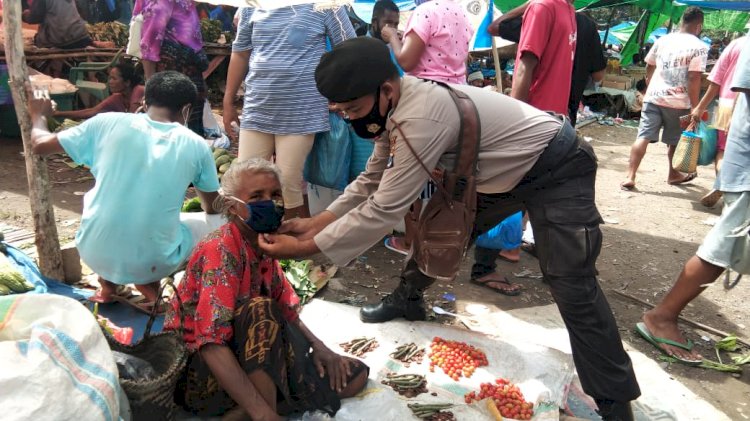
(543, 374)
(529, 346)
(663, 397)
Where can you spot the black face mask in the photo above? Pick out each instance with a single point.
(373, 124)
(375, 32)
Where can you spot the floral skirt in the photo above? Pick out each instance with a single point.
(263, 340)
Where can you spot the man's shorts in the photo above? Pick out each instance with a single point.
(654, 117)
(718, 246)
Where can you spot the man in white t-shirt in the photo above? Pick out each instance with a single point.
(673, 73)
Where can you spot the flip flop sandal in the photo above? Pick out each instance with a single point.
(657, 342)
(119, 290)
(141, 304)
(388, 243)
(509, 292)
(688, 178)
(728, 282)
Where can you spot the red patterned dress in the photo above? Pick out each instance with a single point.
(234, 296)
(223, 273)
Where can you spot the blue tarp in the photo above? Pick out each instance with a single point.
(120, 314)
(742, 6)
(660, 32)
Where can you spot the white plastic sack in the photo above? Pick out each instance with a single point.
(55, 363)
(134, 37)
(211, 127)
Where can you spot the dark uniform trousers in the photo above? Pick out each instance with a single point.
(558, 194)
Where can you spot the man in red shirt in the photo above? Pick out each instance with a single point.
(544, 61)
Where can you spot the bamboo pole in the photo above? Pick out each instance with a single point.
(45, 230)
(496, 59)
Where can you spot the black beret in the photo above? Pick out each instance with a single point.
(353, 69)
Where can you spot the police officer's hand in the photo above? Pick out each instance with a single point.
(307, 228)
(280, 246)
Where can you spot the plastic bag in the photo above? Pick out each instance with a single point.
(709, 141)
(505, 235)
(328, 163)
(133, 368)
(361, 151)
(134, 36)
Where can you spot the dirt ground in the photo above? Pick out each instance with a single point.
(648, 235)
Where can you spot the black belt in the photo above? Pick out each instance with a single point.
(556, 151)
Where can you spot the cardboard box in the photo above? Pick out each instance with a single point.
(617, 82)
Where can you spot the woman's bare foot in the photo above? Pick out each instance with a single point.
(666, 328)
(627, 185)
(512, 256)
(150, 291)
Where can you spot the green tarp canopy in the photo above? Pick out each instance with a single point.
(656, 13)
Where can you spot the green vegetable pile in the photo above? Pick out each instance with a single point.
(115, 32)
(298, 274)
(728, 344)
(210, 30)
(192, 205)
(11, 280)
(56, 126)
(223, 159)
(228, 37)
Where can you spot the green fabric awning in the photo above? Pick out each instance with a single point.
(657, 13)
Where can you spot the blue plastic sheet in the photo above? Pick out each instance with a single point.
(120, 314)
(506, 235)
(28, 268)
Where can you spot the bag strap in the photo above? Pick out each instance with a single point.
(167, 281)
(467, 151)
(469, 134)
(437, 182)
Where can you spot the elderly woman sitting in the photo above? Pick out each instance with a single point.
(250, 348)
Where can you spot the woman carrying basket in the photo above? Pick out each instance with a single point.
(251, 352)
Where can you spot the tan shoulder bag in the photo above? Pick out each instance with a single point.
(446, 224)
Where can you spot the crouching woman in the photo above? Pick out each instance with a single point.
(251, 354)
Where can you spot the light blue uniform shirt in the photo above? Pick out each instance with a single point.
(734, 176)
(130, 227)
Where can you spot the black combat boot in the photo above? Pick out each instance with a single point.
(405, 301)
(614, 411)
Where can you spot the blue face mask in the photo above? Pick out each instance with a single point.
(264, 216)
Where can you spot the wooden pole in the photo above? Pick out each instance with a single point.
(496, 59)
(606, 33)
(45, 230)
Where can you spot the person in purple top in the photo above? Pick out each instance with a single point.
(171, 40)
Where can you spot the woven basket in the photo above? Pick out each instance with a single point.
(153, 399)
(688, 150)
